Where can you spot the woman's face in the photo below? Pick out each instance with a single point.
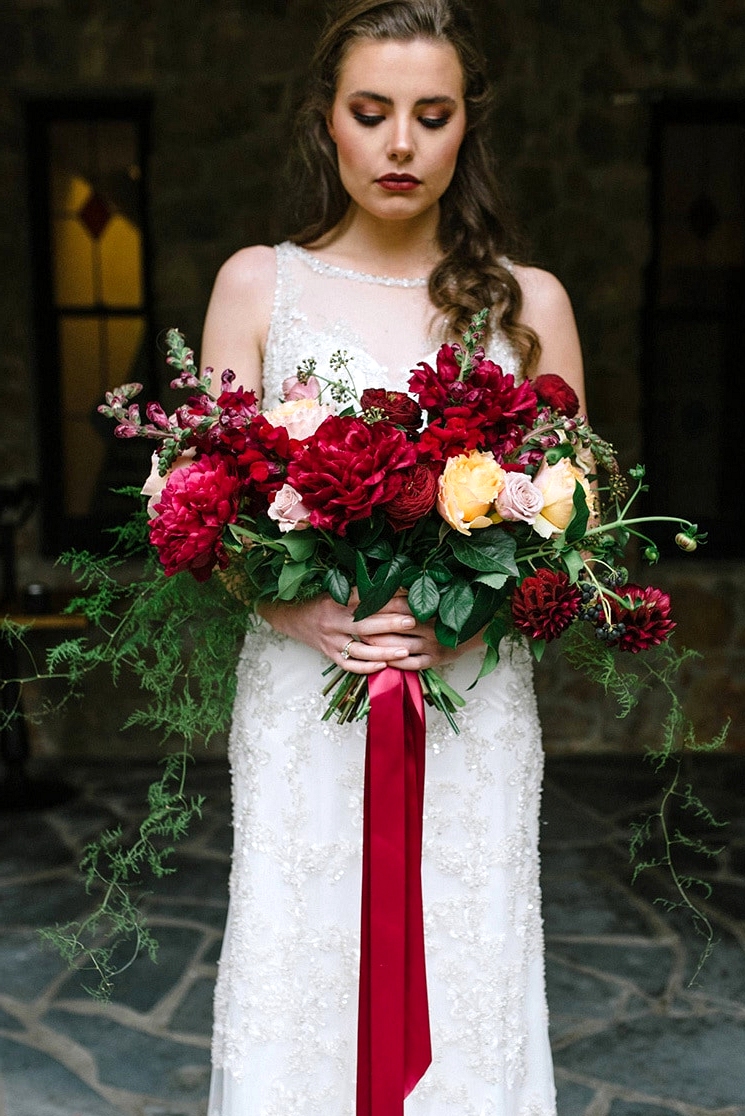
(397, 120)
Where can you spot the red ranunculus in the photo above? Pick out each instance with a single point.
(557, 394)
(398, 407)
(348, 468)
(545, 604)
(195, 506)
(415, 499)
(646, 623)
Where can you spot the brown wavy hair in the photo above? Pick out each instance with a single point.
(475, 231)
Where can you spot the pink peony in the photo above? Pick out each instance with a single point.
(196, 504)
(155, 483)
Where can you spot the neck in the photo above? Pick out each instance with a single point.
(405, 249)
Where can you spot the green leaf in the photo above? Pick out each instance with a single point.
(456, 605)
(300, 545)
(574, 564)
(439, 572)
(537, 646)
(489, 550)
(445, 635)
(385, 583)
(493, 580)
(424, 597)
(381, 549)
(337, 584)
(555, 453)
(364, 581)
(291, 577)
(578, 525)
(491, 659)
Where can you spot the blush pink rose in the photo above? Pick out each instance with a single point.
(288, 510)
(293, 388)
(155, 483)
(300, 417)
(520, 499)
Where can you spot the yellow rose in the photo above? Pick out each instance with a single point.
(556, 484)
(468, 487)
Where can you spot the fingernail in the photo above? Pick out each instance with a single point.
(408, 622)
(401, 652)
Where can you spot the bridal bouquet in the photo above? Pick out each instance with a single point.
(472, 494)
(476, 496)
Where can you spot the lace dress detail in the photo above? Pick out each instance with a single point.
(284, 1039)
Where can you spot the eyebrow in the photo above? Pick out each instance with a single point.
(441, 100)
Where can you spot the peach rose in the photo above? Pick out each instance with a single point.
(289, 510)
(468, 487)
(300, 417)
(155, 483)
(556, 483)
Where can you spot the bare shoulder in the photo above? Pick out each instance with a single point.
(547, 310)
(249, 273)
(542, 292)
(239, 314)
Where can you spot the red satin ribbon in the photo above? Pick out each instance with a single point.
(393, 1039)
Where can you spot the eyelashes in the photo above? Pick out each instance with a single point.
(370, 120)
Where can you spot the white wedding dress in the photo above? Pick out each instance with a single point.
(285, 1028)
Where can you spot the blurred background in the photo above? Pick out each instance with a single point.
(143, 141)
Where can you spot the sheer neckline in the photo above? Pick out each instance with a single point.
(323, 268)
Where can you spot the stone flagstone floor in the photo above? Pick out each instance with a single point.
(630, 1037)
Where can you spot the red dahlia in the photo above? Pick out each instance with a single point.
(544, 604)
(348, 468)
(556, 393)
(195, 506)
(646, 623)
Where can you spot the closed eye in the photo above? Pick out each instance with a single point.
(369, 120)
(434, 121)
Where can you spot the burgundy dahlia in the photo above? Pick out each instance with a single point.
(348, 468)
(557, 394)
(196, 504)
(545, 604)
(646, 623)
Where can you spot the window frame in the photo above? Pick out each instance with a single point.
(58, 530)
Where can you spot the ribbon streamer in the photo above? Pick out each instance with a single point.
(393, 1037)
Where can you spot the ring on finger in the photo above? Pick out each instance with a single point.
(345, 649)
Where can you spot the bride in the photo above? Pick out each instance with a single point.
(404, 239)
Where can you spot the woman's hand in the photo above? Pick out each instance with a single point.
(331, 629)
(390, 637)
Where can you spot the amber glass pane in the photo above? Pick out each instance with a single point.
(73, 255)
(80, 365)
(121, 263)
(124, 343)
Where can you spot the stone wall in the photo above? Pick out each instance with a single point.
(574, 79)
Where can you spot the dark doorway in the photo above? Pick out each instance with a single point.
(694, 321)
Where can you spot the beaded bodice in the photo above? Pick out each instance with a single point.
(384, 325)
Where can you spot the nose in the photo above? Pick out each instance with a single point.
(401, 143)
